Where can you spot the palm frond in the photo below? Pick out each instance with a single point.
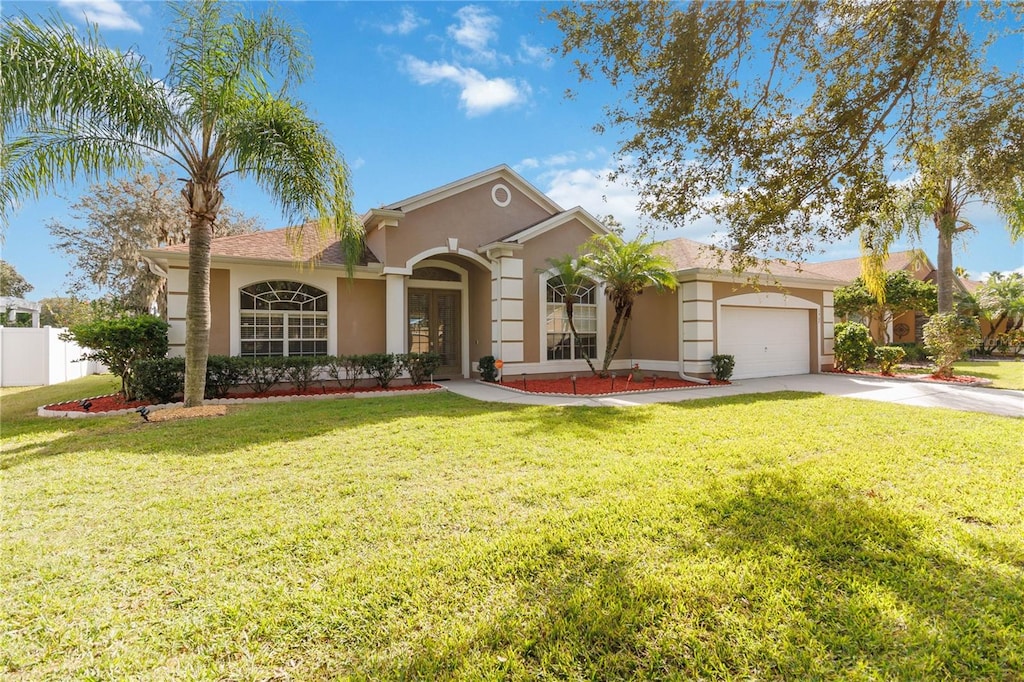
(59, 84)
(215, 63)
(292, 158)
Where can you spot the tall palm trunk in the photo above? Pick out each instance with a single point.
(623, 311)
(944, 265)
(203, 204)
(569, 303)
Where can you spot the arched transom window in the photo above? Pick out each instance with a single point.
(283, 318)
(584, 314)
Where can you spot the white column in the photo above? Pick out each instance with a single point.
(511, 305)
(396, 323)
(697, 333)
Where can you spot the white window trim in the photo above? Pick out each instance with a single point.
(542, 309)
(237, 311)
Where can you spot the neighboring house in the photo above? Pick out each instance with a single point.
(905, 328)
(461, 270)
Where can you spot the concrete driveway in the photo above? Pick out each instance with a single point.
(920, 393)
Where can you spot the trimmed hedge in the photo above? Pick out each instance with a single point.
(722, 366)
(163, 379)
(488, 369)
(888, 358)
(852, 346)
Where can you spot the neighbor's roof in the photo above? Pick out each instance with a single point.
(848, 269)
(970, 285)
(687, 254)
(274, 245)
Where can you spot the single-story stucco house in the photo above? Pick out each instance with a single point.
(462, 270)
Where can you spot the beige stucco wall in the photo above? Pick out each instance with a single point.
(722, 290)
(563, 240)
(361, 322)
(654, 330)
(470, 216)
(220, 311)
(820, 356)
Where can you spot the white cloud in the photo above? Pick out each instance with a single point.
(104, 13)
(409, 22)
(475, 30)
(593, 189)
(534, 54)
(479, 95)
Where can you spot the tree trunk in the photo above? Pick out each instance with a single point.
(944, 270)
(615, 335)
(203, 204)
(575, 334)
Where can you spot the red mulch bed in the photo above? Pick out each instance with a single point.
(592, 385)
(115, 401)
(955, 379)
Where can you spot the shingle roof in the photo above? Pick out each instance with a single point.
(848, 269)
(274, 245)
(687, 254)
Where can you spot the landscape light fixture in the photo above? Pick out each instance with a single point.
(613, 381)
(85, 404)
(573, 379)
(143, 412)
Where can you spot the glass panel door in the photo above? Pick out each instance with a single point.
(435, 326)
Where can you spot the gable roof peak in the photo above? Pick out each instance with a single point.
(502, 171)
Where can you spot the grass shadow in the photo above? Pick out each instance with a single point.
(799, 583)
(874, 596)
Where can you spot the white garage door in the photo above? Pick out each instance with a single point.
(767, 342)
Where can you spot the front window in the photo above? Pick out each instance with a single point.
(283, 318)
(560, 343)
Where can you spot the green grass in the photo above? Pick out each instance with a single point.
(784, 536)
(1003, 373)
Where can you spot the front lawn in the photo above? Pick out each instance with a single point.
(783, 536)
(1003, 373)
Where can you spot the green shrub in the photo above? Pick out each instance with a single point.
(302, 371)
(888, 357)
(120, 343)
(488, 370)
(1012, 341)
(722, 366)
(421, 366)
(384, 367)
(852, 346)
(345, 369)
(222, 374)
(161, 380)
(262, 373)
(913, 352)
(948, 336)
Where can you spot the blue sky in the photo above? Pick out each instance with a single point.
(419, 94)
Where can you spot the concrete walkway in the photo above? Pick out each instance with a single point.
(920, 393)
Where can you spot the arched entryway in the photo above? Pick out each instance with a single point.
(437, 311)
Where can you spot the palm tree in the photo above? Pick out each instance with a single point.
(73, 107)
(948, 180)
(570, 278)
(625, 269)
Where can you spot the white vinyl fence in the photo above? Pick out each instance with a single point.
(36, 357)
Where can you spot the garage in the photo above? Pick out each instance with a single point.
(766, 342)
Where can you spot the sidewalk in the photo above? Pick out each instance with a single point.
(919, 393)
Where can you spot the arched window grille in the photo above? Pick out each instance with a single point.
(559, 336)
(283, 318)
